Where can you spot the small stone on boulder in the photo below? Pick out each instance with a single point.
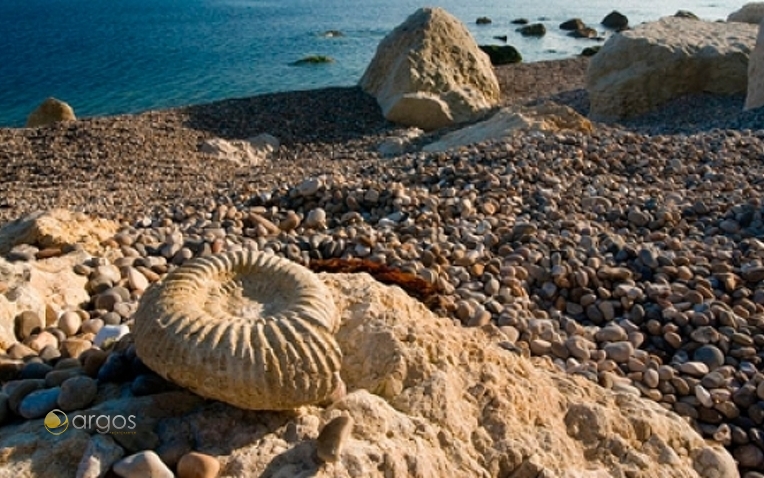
(533, 30)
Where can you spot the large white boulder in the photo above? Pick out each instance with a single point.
(755, 96)
(749, 13)
(429, 73)
(640, 69)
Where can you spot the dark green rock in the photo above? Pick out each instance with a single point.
(686, 14)
(313, 60)
(533, 30)
(590, 50)
(615, 20)
(502, 54)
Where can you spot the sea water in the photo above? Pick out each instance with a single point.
(123, 56)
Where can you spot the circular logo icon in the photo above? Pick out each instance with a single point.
(56, 422)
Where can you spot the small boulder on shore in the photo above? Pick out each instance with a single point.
(50, 111)
(429, 73)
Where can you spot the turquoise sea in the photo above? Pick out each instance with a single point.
(123, 56)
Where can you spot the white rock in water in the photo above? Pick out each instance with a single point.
(110, 332)
(643, 68)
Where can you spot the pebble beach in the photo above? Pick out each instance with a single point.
(632, 256)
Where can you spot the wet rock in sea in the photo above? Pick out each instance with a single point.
(615, 20)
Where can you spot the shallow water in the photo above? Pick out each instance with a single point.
(124, 56)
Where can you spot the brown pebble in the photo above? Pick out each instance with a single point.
(74, 347)
(27, 323)
(20, 351)
(48, 252)
(332, 437)
(198, 465)
(92, 361)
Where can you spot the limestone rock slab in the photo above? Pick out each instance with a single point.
(55, 229)
(640, 69)
(429, 73)
(548, 117)
(426, 398)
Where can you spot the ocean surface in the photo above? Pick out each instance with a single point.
(123, 56)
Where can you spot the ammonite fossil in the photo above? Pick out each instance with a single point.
(250, 329)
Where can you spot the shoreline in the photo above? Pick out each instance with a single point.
(498, 69)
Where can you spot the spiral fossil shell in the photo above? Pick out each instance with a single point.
(250, 329)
